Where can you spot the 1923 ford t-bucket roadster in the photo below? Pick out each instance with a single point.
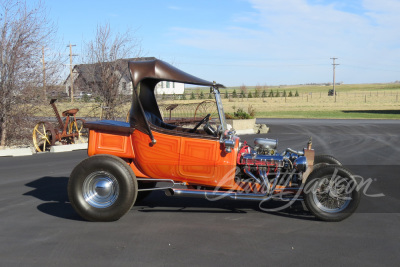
(128, 160)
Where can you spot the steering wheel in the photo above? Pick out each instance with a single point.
(205, 119)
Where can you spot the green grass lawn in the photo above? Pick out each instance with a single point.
(332, 114)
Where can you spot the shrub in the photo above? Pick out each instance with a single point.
(251, 110)
(240, 114)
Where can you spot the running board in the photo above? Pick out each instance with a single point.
(217, 195)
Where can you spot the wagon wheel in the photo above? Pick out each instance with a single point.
(80, 133)
(207, 107)
(44, 136)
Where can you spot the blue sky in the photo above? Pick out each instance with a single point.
(250, 42)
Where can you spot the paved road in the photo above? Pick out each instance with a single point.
(38, 227)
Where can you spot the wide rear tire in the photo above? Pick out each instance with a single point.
(330, 193)
(102, 188)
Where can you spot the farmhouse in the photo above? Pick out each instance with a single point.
(86, 77)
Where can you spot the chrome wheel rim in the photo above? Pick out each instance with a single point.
(100, 189)
(332, 195)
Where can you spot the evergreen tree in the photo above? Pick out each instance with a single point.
(256, 93)
(277, 93)
(250, 95)
(242, 94)
(183, 97)
(234, 94)
(271, 94)
(264, 93)
(284, 93)
(201, 95)
(209, 96)
(226, 94)
(192, 96)
(297, 93)
(290, 94)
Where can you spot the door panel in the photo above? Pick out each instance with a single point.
(197, 159)
(160, 160)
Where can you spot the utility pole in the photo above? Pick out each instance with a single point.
(44, 75)
(70, 72)
(334, 67)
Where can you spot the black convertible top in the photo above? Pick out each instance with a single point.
(145, 76)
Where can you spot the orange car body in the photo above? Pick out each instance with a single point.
(190, 160)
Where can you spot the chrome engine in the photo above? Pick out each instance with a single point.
(263, 165)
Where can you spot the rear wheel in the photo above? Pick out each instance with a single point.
(102, 188)
(331, 194)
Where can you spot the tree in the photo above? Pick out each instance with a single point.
(264, 93)
(107, 55)
(257, 91)
(25, 31)
(234, 94)
(201, 96)
(192, 96)
(226, 94)
(271, 93)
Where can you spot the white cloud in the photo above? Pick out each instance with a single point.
(295, 29)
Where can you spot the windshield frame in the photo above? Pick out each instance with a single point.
(220, 108)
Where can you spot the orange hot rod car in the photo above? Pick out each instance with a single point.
(128, 160)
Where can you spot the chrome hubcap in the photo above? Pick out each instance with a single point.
(100, 189)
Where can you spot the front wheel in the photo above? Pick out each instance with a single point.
(331, 194)
(102, 188)
(323, 160)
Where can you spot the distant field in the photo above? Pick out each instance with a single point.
(361, 101)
